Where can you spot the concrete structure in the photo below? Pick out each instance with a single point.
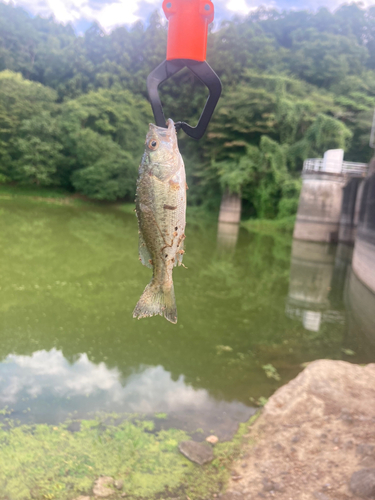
(319, 210)
(312, 274)
(230, 208)
(364, 250)
(360, 301)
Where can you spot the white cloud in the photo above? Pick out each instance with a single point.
(112, 13)
(239, 7)
(108, 14)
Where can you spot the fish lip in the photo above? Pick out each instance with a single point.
(162, 131)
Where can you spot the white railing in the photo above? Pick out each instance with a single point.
(347, 167)
(350, 167)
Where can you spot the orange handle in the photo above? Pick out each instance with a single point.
(188, 28)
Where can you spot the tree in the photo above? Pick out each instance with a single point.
(38, 150)
(20, 100)
(107, 172)
(103, 137)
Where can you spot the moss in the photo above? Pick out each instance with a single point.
(50, 462)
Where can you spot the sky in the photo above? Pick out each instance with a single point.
(112, 13)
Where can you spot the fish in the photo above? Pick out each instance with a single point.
(161, 212)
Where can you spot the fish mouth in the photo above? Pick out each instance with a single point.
(163, 132)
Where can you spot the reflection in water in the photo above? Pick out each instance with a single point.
(227, 236)
(48, 386)
(317, 276)
(323, 289)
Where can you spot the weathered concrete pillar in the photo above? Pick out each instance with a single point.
(230, 209)
(318, 216)
(311, 273)
(364, 250)
(349, 210)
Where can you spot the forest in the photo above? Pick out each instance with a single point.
(74, 109)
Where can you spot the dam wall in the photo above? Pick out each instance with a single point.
(364, 250)
(328, 208)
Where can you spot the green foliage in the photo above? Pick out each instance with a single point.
(38, 150)
(110, 172)
(19, 100)
(271, 372)
(295, 84)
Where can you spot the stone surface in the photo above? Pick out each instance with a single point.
(362, 483)
(119, 484)
(102, 487)
(199, 453)
(330, 406)
(74, 426)
(212, 439)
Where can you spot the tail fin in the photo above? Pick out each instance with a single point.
(156, 300)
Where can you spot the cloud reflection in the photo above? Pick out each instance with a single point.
(53, 387)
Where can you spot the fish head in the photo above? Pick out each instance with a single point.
(161, 157)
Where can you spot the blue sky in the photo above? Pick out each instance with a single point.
(112, 13)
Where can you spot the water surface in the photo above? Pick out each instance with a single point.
(69, 347)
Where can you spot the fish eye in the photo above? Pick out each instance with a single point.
(153, 144)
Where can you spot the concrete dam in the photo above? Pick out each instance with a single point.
(334, 240)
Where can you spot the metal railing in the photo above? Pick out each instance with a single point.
(347, 167)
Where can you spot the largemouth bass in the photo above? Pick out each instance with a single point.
(161, 208)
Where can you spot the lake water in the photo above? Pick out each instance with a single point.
(252, 309)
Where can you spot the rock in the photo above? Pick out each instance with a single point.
(74, 426)
(322, 386)
(196, 452)
(312, 435)
(269, 485)
(102, 487)
(362, 483)
(295, 438)
(366, 450)
(212, 439)
(119, 484)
